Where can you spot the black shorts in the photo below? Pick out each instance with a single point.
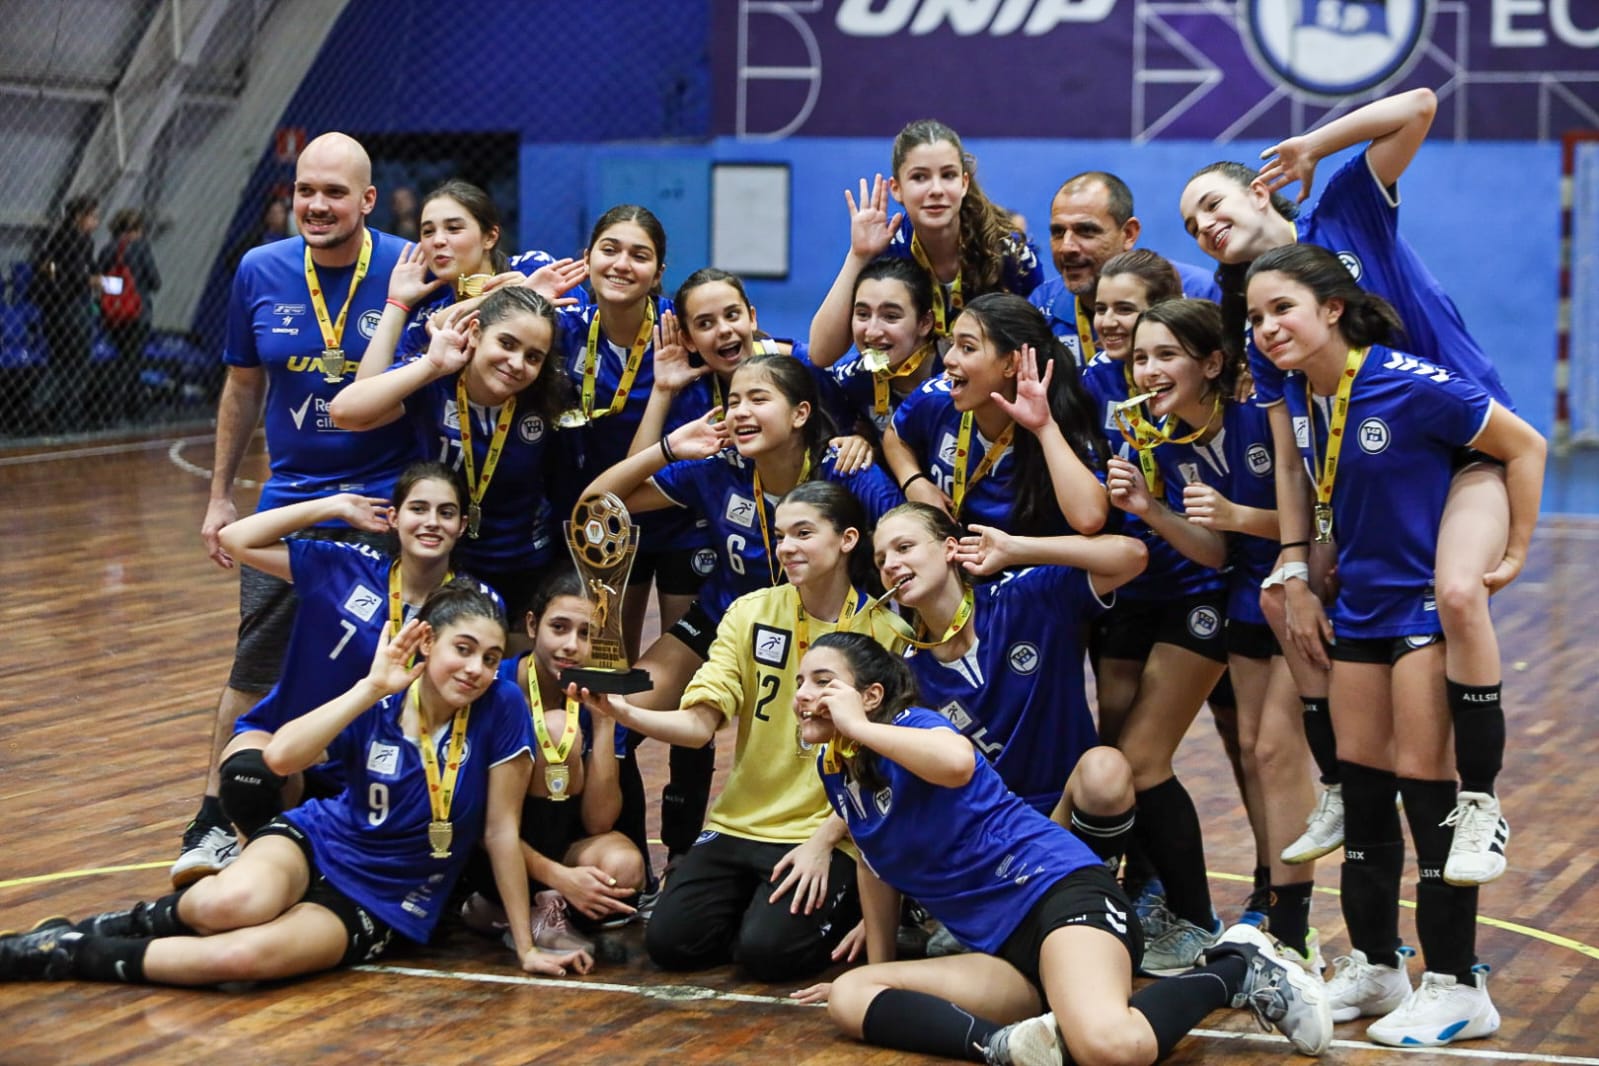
(695, 629)
(369, 935)
(1383, 651)
(267, 606)
(676, 572)
(1465, 457)
(1251, 640)
(1086, 896)
(1131, 628)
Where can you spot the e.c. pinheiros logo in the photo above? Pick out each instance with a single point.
(1335, 48)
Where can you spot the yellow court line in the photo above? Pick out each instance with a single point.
(1498, 923)
(64, 875)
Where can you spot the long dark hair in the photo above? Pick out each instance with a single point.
(549, 393)
(1009, 322)
(1367, 317)
(872, 664)
(985, 227)
(791, 378)
(842, 511)
(481, 207)
(1230, 277)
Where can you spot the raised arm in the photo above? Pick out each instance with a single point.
(630, 479)
(257, 540)
(687, 727)
(1395, 125)
(407, 288)
(1078, 493)
(377, 401)
(673, 374)
(870, 231)
(1110, 560)
(938, 756)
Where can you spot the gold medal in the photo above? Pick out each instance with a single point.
(1324, 523)
(571, 419)
(470, 285)
(474, 520)
(333, 365)
(556, 777)
(1326, 471)
(439, 836)
(874, 359)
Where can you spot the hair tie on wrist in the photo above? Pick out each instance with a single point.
(1294, 544)
(395, 303)
(906, 484)
(666, 451)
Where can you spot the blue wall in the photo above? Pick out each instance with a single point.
(1499, 265)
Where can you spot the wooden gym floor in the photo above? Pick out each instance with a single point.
(117, 635)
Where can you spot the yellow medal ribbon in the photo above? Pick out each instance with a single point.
(635, 358)
(441, 785)
(555, 771)
(1142, 436)
(963, 615)
(333, 332)
(802, 640)
(397, 605)
(881, 378)
(944, 304)
(502, 428)
(1328, 466)
(760, 514)
(963, 449)
(1085, 333)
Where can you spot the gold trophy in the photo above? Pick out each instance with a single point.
(603, 542)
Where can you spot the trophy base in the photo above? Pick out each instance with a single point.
(610, 682)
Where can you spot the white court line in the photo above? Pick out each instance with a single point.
(102, 449)
(683, 993)
(175, 455)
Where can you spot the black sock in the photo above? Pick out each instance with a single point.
(1168, 828)
(1319, 734)
(1289, 914)
(1447, 945)
(1261, 878)
(686, 796)
(1137, 870)
(1175, 1005)
(111, 958)
(1479, 734)
(1374, 859)
(916, 1021)
(211, 813)
(1105, 834)
(160, 917)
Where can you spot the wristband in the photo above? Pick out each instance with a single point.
(666, 451)
(906, 484)
(1294, 544)
(391, 301)
(1285, 573)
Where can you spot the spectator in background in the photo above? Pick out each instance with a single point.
(273, 225)
(405, 216)
(128, 247)
(65, 288)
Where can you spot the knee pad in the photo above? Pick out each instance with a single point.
(251, 794)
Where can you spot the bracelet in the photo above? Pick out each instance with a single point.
(1294, 544)
(392, 302)
(906, 484)
(666, 451)
(1293, 570)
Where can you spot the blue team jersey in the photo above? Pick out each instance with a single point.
(722, 489)
(1020, 271)
(930, 426)
(1406, 419)
(415, 338)
(976, 857)
(605, 441)
(1018, 693)
(708, 391)
(507, 673)
(1237, 462)
(1170, 574)
(519, 527)
(344, 604)
(371, 840)
(854, 385)
(1358, 218)
(1059, 305)
(271, 325)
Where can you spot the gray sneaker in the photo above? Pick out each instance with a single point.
(1278, 992)
(1031, 1042)
(204, 854)
(1178, 948)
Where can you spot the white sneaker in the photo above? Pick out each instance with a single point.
(1324, 829)
(1440, 1011)
(1477, 854)
(203, 855)
(1278, 992)
(1311, 961)
(1359, 989)
(1179, 947)
(1031, 1042)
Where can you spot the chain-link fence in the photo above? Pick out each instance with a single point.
(150, 143)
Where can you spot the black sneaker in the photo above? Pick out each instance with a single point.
(135, 921)
(48, 953)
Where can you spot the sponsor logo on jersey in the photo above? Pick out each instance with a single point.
(1373, 436)
(530, 429)
(363, 602)
(288, 309)
(1023, 657)
(1258, 458)
(704, 562)
(770, 645)
(1204, 621)
(1110, 417)
(740, 509)
(1403, 363)
(368, 323)
(1301, 431)
(1351, 263)
(382, 759)
(1190, 473)
(956, 714)
(297, 414)
(706, 836)
(946, 449)
(1332, 48)
(452, 417)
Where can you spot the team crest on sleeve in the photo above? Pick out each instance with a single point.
(363, 602)
(368, 324)
(740, 509)
(946, 449)
(1373, 436)
(883, 798)
(1258, 459)
(382, 760)
(531, 429)
(1204, 621)
(770, 646)
(1023, 658)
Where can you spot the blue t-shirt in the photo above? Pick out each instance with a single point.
(1406, 419)
(415, 338)
(344, 605)
(271, 325)
(1018, 693)
(519, 527)
(1059, 305)
(1020, 271)
(976, 857)
(507, 672)
(1237, 462)
(930, 426)
(722, 488)
(707, 391)
(371, 840)
(1358, 219)
(855, 386)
